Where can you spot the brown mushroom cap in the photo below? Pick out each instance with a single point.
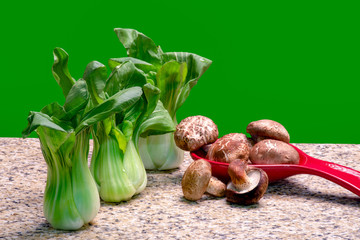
(229, 147)
(268, 129)
(196, 180)
(194, 132)
(272, 151)
(253, 192)
(206, 148)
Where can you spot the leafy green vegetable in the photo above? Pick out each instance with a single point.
(116, 164)
(71, 197)
(170, 79)
(61, 72)
(139, 46)
(175, 74)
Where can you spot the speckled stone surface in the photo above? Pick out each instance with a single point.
(300, 207)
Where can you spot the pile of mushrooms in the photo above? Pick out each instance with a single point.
(268, 144)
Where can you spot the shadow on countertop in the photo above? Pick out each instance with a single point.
(290, 187)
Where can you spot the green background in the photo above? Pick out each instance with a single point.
(295, 62)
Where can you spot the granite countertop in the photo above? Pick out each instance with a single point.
(299, 207)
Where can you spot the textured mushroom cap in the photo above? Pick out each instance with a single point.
(272, 151)
(196, 179)
(194, 132)
(229, 147)
(268, 129)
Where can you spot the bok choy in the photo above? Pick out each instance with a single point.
(71, 197)
(116, 164)
(175, 74)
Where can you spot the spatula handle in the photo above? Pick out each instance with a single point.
(344, 176)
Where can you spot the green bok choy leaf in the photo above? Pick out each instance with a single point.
(175, 74)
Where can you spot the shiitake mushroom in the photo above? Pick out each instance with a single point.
(194, 132)
(197, 180)
(265, 128)
(248, 184)
(229, 147)
(270, 151)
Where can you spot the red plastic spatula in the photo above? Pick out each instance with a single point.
(344, 176)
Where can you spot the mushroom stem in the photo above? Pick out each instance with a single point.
(237, 172)
(216, 187)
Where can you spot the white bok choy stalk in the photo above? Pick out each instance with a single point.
(175, 74)
(71, 198)
(116, 164)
